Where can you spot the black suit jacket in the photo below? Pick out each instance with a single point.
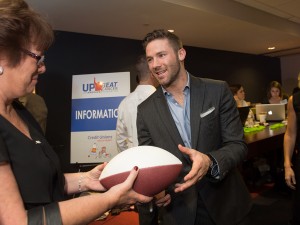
(215, 129)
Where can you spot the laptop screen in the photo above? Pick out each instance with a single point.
(244, 111)
(275, 112)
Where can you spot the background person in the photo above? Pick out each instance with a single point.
(291, 150)
(126, 133)
(197, 120)
(239, 95)
(275, 94)
(296, 89)
(33, 188)
(36, 105)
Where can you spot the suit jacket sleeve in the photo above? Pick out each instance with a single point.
(229, 148)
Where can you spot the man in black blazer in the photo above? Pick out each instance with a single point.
(197, 120)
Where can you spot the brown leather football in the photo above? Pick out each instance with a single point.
(158, 169)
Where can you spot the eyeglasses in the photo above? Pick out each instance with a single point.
(39, 59)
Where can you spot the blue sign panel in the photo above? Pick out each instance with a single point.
(95, 114)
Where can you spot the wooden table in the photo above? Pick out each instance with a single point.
(266, 144)
(260, 142)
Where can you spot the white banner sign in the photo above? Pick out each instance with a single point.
(95, 101)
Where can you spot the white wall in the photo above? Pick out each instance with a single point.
(290, 68)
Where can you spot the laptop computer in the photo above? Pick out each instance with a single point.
(244, 111)
(275, 112)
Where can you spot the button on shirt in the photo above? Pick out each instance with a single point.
(181, 114)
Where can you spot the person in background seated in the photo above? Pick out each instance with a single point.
(239, 95)
(33, 188)
(291, 151)
(126, 133)
(275, 94)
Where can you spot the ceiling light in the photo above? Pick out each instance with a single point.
(271, 48)
(172, 31)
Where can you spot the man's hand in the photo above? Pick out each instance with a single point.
(201, 163)
(162, 199)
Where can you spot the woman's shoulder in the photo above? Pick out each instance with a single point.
(241, 103)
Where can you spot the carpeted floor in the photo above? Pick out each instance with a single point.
(271, 206)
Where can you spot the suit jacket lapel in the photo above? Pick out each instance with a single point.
(166, 117)
(168, 122)
(197, 94)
